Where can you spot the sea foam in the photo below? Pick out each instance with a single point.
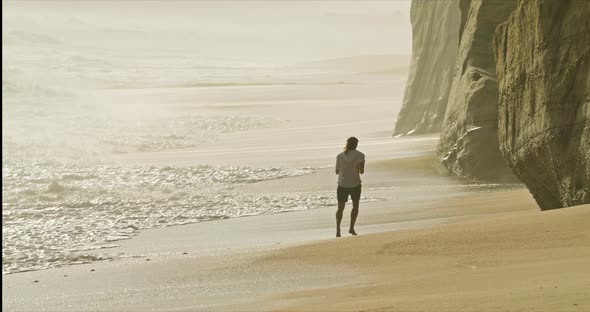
(53, 213)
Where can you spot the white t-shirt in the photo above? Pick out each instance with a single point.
(346, 163)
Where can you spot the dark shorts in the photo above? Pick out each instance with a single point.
(344, 192)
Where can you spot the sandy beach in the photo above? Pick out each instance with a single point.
(428, 241)
(474, 265)
(459, 247)
(173, 178)
(504, 255)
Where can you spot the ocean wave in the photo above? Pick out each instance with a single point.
(188, 132)
(93, 136)
(18, 37)
(84, 64)
(19, 90)
(97, 205)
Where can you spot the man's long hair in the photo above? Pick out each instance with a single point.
(351, 144)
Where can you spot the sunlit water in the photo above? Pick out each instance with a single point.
(62, 197)
(51, 210)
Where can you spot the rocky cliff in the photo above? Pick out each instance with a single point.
(435, 27)
(543, 66)
(468, 145)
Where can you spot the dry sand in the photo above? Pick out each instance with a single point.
(525, 261)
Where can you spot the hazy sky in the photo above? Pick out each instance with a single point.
(265, 31)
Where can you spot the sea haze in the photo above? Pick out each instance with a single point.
(71, 71)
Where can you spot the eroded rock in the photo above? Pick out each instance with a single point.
(468, 145)
(435, 29)
(543, 65)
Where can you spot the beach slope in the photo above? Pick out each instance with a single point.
(522, 261)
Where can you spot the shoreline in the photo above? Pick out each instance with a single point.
(272, 262)
(293, 143)
(193, 262)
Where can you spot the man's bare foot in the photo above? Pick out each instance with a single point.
(337, 233)
(352, 232)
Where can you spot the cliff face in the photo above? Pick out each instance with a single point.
(435, 27)
(469, 144)
(543, 66)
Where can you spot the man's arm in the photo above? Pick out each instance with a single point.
(337, 165)
(361, 167)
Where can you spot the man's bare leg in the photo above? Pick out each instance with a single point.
(339, 216)
(353, 214)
